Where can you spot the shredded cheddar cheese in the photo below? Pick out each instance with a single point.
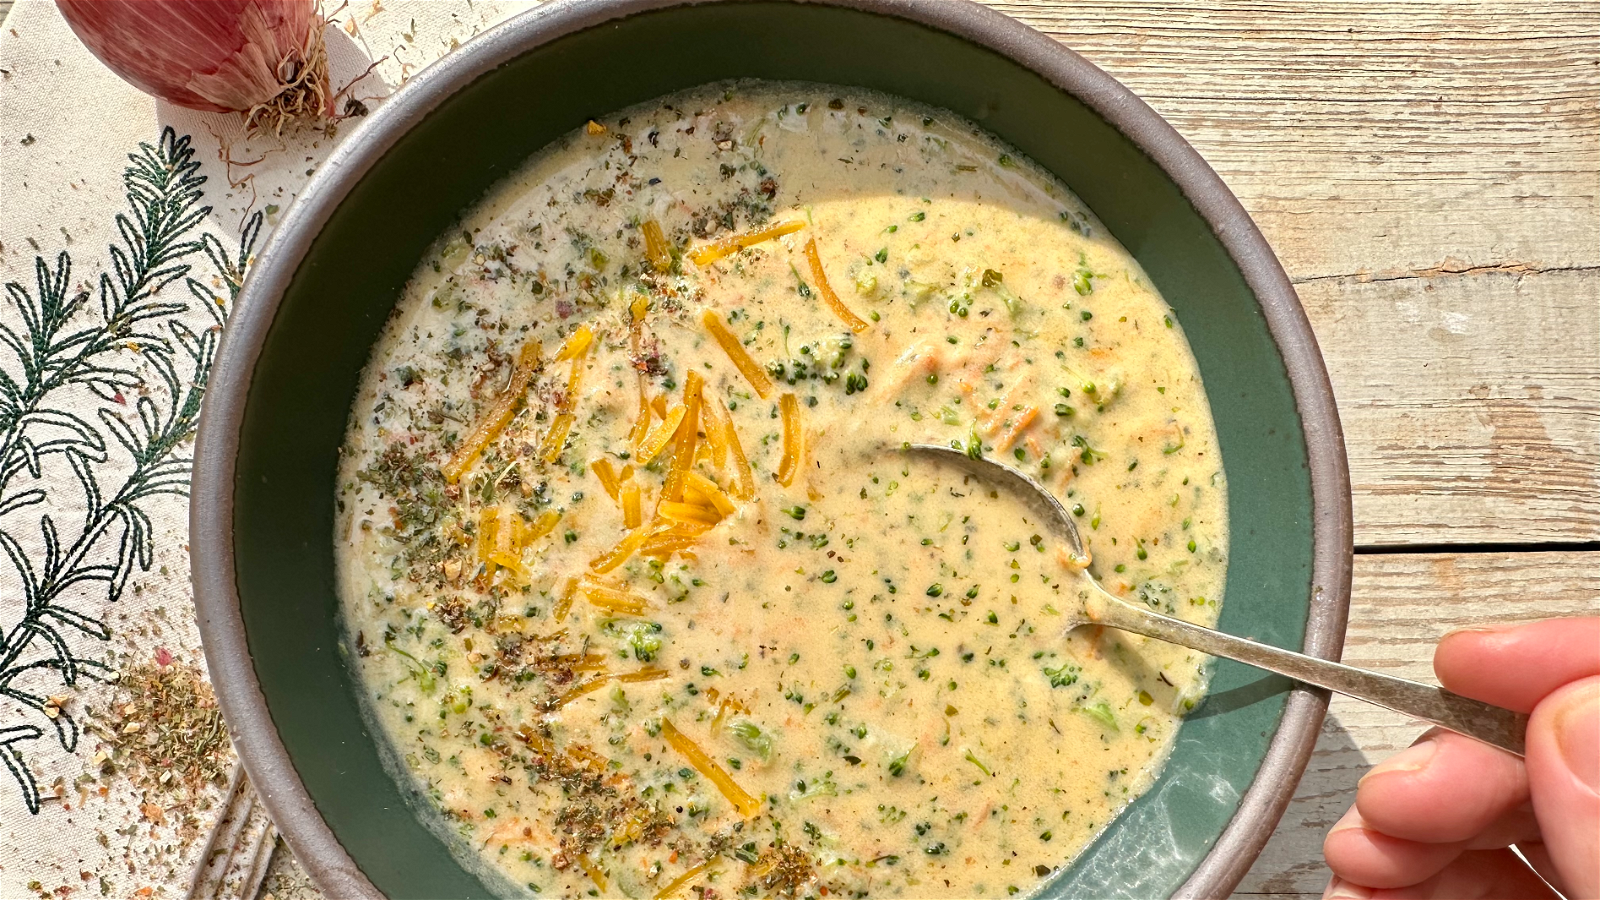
(661, 436)
(856, 323)
(498, 416)
(555, 440)
(688, 435)
(747, 805)
(710, 253)
(747, 367)
(656, 248)
(793, 439)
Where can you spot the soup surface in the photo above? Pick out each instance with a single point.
(637, 583)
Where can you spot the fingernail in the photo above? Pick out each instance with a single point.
(1350, 819)
(1339, 889)
(1490, 628)
(1414, 758)
(1577, 727)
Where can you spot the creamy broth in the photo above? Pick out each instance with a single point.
(746, 648)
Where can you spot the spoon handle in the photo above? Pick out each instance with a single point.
(1491, 724)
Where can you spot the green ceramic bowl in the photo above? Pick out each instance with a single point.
(262, 513)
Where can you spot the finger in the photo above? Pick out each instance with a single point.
(1516, 667)
(1477, 875)
(1339, 889)
(1443, 789)
(1564, 778)
(1366, 856)
(1515, 827)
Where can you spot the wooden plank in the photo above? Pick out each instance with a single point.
(1402, 605)
(1374, 137)
(1426, 172)
(1470, 403)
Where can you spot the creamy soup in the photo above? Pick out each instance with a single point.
(639, 587)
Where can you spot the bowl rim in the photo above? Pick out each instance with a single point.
(265, 758)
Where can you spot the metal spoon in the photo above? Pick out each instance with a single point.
(1495, 726)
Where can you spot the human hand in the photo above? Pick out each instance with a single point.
(1436, 820)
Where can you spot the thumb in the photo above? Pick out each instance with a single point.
(1564, 779)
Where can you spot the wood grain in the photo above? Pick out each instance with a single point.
(1402, 605)
(1374, 137)
(1427, 174)
(1471, 403)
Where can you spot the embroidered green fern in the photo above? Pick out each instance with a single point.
(133, 351)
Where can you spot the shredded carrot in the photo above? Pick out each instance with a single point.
(746, 480)
(688, 435)
(632, 515)
(607, 473)
(659, 404)
(747, 367)
(1018, 426)
(498, 415)
(747, 805)
(656, 248)
(661, 436)
(710, 253)
(687, 512)
(612, 599)
(541, 526)
(712, 492)
(555, 440)
(993, 420)
(564, 602)
(856, 323)
(793, 439)
(682, 881)
(619, 554)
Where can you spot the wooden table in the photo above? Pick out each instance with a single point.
(1429, 174)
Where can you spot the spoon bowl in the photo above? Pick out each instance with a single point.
(1096, 606)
